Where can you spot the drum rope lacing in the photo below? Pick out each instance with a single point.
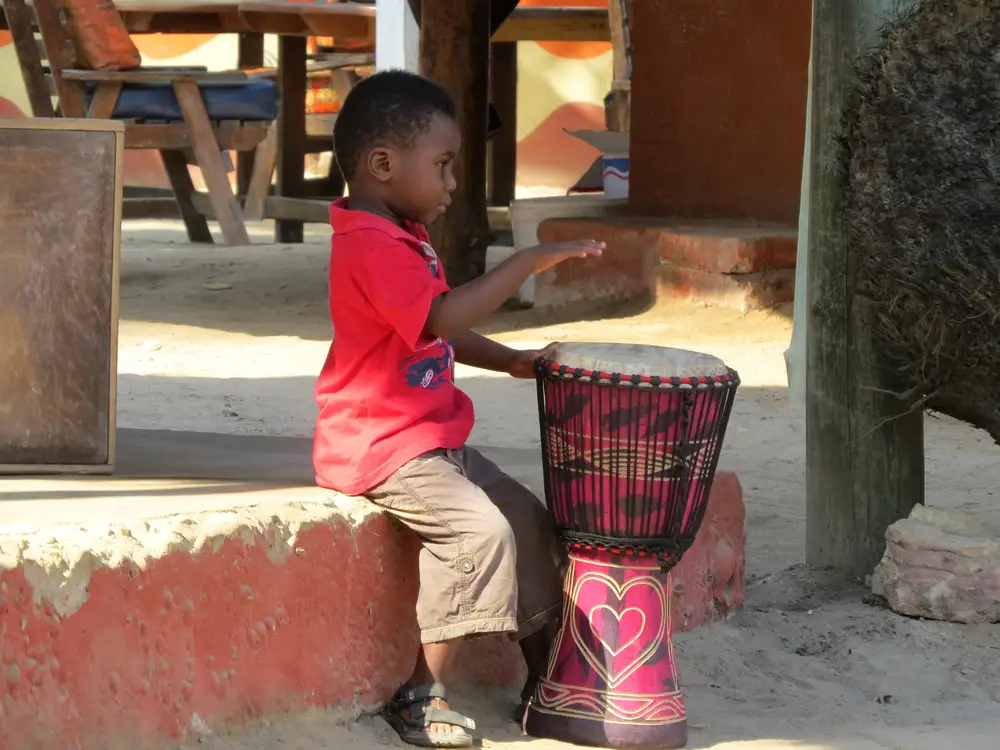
(555, 370)
(658, 485)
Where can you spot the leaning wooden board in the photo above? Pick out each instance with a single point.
(60, 236)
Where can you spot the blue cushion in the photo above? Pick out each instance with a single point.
(248, 101)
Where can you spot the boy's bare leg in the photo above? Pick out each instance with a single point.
(434, 662)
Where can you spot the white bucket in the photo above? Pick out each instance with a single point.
(615, 172)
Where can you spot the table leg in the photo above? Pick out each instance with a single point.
(291, 130)
(503, 147)
(250, 55)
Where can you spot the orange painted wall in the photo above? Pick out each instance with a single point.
(719, 101)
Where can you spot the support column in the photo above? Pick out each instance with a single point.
(503, 148)
(864, 446)
(455, 53)
(397, 36)
(250, 55)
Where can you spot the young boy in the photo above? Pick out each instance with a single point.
(392, 425)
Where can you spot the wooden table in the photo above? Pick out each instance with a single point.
(344, 20)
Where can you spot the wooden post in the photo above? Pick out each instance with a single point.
(291, 131)
(249, 56)
(397, 36)
(455, 53)
(864, 447)
(503, 148)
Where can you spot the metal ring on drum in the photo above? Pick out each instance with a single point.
(631, 437)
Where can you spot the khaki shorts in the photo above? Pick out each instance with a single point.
(489, 561)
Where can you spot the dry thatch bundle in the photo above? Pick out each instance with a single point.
(922, 158)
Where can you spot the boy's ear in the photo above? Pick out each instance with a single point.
(380, 163)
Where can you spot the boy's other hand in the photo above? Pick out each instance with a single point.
(522, 365)
(543, 257)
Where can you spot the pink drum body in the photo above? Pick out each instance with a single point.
(611, 679)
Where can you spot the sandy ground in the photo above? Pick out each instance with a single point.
(229, 340)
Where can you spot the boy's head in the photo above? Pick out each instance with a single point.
(396, 139)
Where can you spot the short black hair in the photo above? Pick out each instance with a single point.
(391, 107)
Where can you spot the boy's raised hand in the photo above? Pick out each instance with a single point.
(544, 257)
(458, 310)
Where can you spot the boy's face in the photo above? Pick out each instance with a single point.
(423, 177)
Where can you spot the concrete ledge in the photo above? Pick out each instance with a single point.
(136, 627)
(626, 270)
(726, 263)
(748, 291)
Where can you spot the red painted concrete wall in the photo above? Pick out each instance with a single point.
(222, 634)
(719, 102)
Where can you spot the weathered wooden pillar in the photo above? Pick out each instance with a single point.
(864, 446)
(503, 148)
(455, 53)
(249, 56)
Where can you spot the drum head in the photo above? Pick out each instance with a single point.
(637, 359)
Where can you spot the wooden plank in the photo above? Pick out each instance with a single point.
(297, 209)
(176, 167)
(227, 209)
(259, 184)
(29, 58)
(291, 130)
(503, 146)
(150, 208)
(864, 448)
(102, 105)
(558, 24)
(62, 56)
(175, 137)
(60, 283)
(153, 75)
(621, 45)
(455, 52)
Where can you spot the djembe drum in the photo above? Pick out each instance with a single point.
(631, 437)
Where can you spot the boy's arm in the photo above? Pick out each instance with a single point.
(457, 311)
(478, 351)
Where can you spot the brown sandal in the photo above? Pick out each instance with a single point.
(414, 728)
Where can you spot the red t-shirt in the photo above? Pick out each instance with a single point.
(387, 392)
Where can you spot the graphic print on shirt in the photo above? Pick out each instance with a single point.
(432, 259)
(431, 368)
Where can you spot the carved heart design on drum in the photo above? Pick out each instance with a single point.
(617, 638)
(640, 628)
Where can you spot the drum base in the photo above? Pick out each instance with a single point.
(611, 679)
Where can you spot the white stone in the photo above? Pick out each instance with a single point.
(941, 565)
